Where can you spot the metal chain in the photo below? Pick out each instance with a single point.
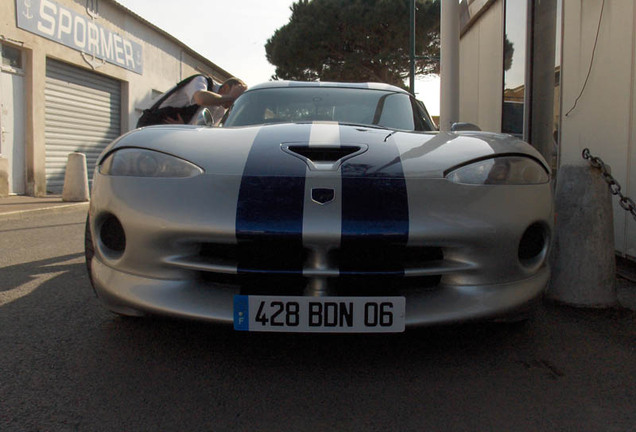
(615, 188)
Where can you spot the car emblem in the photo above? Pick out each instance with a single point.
(322, 195)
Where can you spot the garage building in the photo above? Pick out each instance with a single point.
(75, 75)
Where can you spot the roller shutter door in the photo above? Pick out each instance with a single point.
(82, 113)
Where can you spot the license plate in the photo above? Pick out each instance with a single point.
(319, 314)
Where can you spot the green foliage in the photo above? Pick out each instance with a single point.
(509, 50)
(355, 40)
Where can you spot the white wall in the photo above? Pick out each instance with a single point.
(604, 119)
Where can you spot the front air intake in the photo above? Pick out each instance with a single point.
(533, 245)
(324, 154)
(112, 235)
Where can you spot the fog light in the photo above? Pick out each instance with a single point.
(112, 234)
(533, 245)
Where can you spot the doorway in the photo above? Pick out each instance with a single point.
(12, 115)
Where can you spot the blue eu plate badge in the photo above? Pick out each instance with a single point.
(241, 313)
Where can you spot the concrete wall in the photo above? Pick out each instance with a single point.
(604, 119)
(166, 61)
(481, 70)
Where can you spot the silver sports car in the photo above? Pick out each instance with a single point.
(320, 207)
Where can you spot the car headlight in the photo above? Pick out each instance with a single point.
(136, 162)
(505, 170)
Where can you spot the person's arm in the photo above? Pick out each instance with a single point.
(208, 98)
(225, 97)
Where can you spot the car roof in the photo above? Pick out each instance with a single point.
(365, 85)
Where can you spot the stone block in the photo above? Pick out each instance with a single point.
(582, 260)
(76, 179)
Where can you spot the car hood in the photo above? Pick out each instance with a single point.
(287, 149)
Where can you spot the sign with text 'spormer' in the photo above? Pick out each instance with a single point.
(53, 21)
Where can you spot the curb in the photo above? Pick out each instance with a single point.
(23, 214)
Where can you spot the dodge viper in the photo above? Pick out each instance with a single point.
(320, 207)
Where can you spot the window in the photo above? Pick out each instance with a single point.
(389, 109)
(515, 66)
(11, 57)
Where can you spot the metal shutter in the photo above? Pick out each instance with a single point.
(82, 113)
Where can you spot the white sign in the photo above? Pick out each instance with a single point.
(53, 21)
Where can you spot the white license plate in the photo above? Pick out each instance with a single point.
(319, 314)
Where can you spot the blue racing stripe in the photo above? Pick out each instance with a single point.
(375, 208)
(270, 205)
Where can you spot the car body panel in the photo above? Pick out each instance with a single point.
(264, 217)
(185, 298)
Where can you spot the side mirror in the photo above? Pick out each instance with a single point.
(461, 126)
(203, 117)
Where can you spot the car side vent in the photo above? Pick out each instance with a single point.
(324, 154)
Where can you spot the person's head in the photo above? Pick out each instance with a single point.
(232, 87)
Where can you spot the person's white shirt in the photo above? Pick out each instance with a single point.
(184, 96)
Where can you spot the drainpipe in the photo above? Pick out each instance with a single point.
(449, 65)
(412, 47)
(180, 65)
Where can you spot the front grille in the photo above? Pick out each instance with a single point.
(372, 257)
(256, 256)
(261, 284)
(294, 285)
(355, 268)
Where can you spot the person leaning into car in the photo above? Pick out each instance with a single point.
(219, 102)
(217, 99)
(223, 96)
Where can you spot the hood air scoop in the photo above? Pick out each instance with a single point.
(324, 157)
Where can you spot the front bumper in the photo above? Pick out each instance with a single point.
(129, 294)
(464, 259)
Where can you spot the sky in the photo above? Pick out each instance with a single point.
(516, 14)
(232, 34)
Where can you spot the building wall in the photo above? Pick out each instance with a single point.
(165, 62)
(604, 119)
(481, 70)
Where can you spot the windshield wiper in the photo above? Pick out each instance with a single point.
(364, 125)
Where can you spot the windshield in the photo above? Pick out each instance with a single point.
(380, 108)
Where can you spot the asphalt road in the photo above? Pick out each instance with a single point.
(67, 364)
